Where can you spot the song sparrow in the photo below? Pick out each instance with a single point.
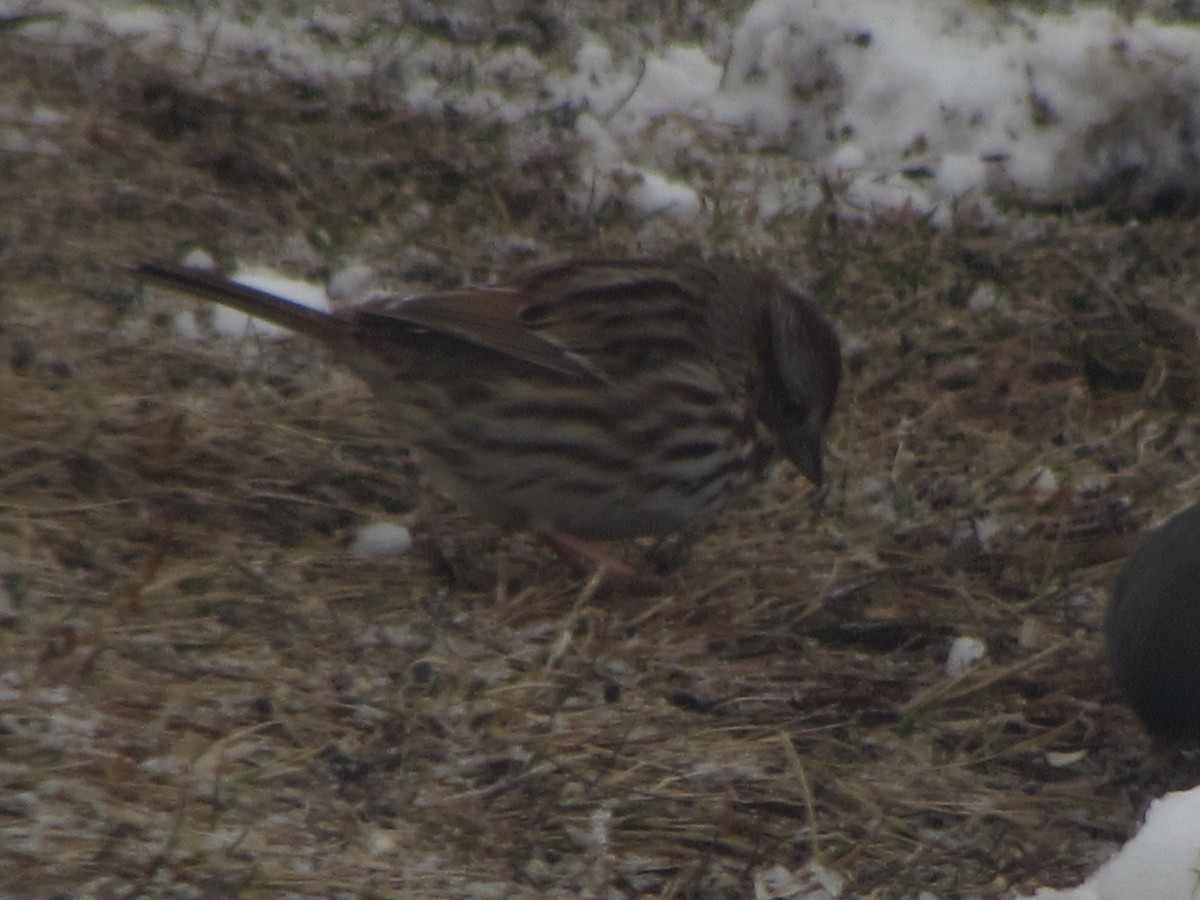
(1152, 630)
(590, 399)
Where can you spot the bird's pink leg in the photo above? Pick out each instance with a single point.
(583, 555)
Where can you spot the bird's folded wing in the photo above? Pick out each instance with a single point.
(486, 317)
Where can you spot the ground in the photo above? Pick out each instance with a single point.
(204, 693)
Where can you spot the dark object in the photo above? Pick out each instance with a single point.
(1152, 631)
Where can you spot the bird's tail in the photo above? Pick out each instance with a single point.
(260, 304)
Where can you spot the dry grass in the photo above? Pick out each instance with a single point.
(203, 694)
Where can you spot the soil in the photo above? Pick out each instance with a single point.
(203, 692)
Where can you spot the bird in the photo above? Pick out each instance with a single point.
(586, 399)
(1152, 630)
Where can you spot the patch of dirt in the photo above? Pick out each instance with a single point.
(203, 693)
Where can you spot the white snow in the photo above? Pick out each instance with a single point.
(380, 539)
(651, 193)
(813, 882)
(1044, 481)
(918, 103)
(1161, 861)
(964, 653)
(1037, 105)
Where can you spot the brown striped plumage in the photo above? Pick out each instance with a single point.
(597, 399)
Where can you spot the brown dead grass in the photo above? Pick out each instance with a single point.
(203, 694)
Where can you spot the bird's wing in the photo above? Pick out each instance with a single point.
(486, 317)
(586, 319)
